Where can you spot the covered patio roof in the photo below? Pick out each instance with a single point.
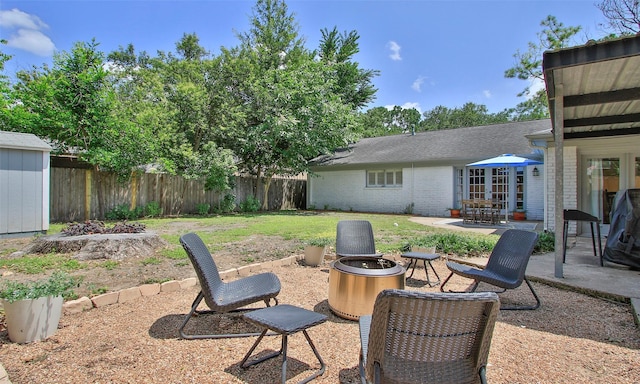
(593, 91)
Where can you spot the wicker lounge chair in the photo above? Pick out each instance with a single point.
(223, 297)
(506, 265)
(355, 238)
(427, 337)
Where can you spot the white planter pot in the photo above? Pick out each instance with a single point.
(313, 255)
(34, 319)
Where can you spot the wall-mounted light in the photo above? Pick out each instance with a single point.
(535, 171)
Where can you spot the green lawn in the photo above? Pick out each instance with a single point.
(393, 234)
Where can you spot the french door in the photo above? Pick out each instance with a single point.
(490, 184)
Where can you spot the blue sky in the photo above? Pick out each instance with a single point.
(429, 53)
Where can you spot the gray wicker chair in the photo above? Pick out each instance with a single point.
(223, 297)
(427, 337)
(506, 265)
(355, 238)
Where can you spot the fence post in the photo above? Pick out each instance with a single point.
(134, 190)
(87, 194)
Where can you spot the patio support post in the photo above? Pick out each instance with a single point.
(558, 119)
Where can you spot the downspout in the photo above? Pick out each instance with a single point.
(543, 145)
(413, 182)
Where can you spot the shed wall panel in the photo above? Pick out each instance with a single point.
(4, 191)
(21, 191)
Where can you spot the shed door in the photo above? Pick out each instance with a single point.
(21, 189)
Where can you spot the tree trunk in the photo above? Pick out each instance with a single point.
(265, 196)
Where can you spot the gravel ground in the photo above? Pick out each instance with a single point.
(572, 338)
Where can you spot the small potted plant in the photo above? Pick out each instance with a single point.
(519, 214)
(454, 212)
(33, 309)
(315, 250)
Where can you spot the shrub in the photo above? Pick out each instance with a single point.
(408, 210)
(203, 208)
(251, 204)
(458, 243)
(152, 209)
(122, 212)
(546, 243)
(228, 203)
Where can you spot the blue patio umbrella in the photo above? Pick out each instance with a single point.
(505, 160)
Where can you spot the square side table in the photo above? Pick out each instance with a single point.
(286, 320)
(426, 258)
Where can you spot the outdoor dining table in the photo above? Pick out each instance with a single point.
(480, 211)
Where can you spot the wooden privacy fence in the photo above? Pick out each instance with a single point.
(83, 194)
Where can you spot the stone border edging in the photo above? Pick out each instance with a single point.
(130, 294)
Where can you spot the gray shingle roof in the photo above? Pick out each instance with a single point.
(451, 146)
(17, 140)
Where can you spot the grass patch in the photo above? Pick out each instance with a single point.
(110, 265)
(218, 231)
(174, 253)
(181, 264)
(34, 264)
(392, 232)
(95, 291)
(151, 261)
(156, 281)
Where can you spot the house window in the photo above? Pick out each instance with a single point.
(459, 187)
(384, 178)
(520, 188)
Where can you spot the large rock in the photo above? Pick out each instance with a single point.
(117, 246)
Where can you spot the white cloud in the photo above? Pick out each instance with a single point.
(417, 84)
(32, 41)
(487, 93)
(15, 18)
(27, 32)
(535, 85)
(395, 50)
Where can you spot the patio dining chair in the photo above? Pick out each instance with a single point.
(427, 337)
(506, 265)
(355, 238)
(222, 297)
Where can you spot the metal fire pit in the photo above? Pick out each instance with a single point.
(355, 281)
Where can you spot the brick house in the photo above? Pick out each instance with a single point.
(426, 173)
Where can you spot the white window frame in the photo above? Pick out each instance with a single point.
(384, 178)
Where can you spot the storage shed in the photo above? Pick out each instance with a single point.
(24, 184)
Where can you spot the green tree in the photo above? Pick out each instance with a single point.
(470, 115)
(169, 97)
(71, 104)
(406, 120)
(528, 67)
(353, 83)
(375, 122)
(381, 121)
(6, 96)
(284, 109)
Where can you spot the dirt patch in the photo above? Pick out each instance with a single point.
(571, 338)
(120, 246)
(151, 265)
